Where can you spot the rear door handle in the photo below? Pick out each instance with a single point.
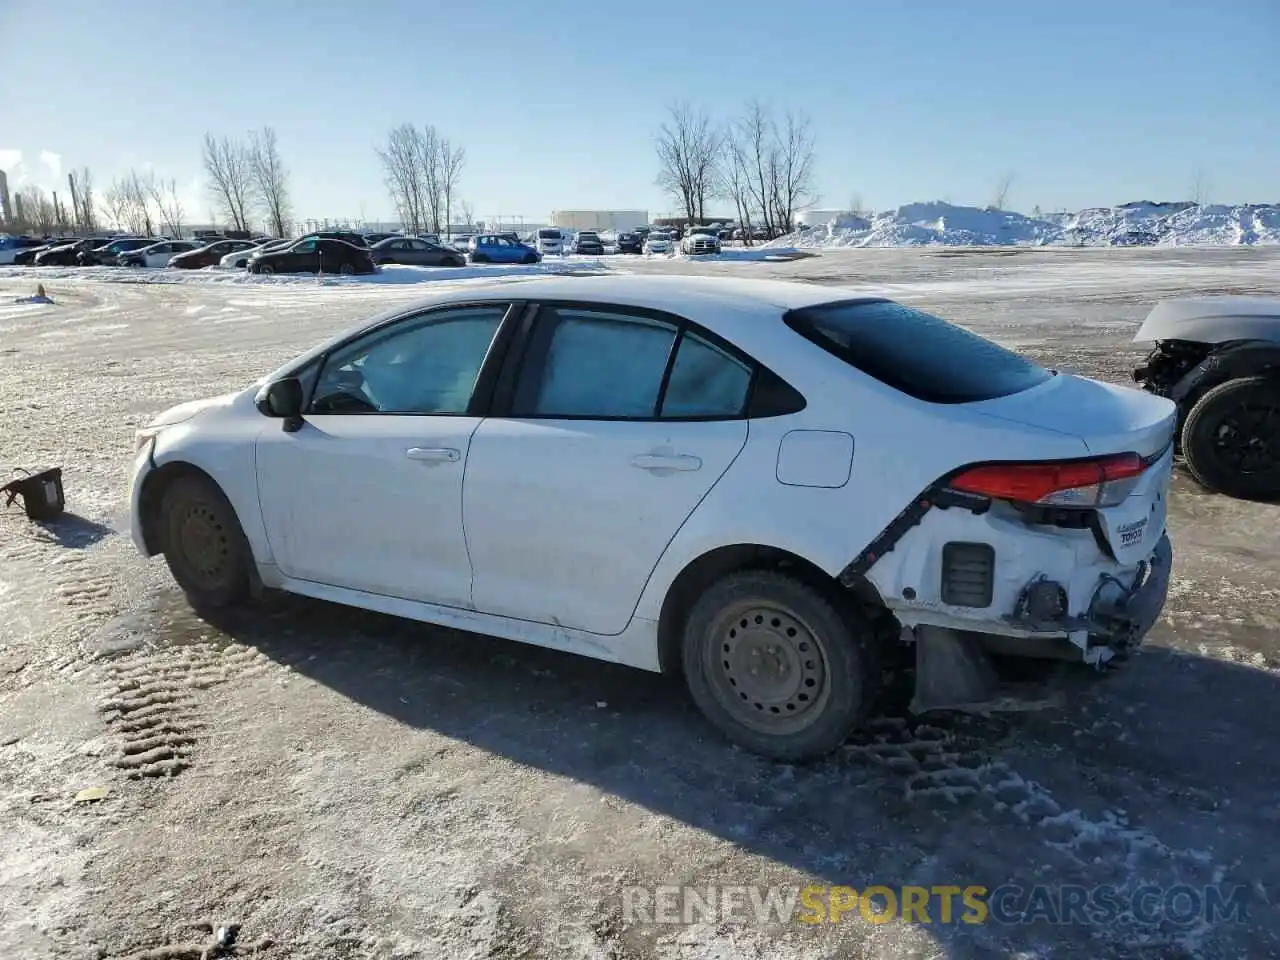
(434, 454)
(671, 463)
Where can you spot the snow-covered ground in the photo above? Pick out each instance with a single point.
(344, 785)
(1135, 224)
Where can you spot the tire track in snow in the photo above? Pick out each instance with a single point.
(938, 767)
(153, 706)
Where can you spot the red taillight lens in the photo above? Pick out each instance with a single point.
(1101, 482)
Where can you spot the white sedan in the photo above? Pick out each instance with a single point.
(239, 259)
(761, 486)
(158, 254)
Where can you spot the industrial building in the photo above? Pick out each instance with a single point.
(599, 219)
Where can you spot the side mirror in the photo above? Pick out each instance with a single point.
(283, 399)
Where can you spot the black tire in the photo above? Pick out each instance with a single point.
(265, 268)
(203, 543)
(530, 259)
(479, 258)
(347, 269)
(1231, 438)
(819, 659)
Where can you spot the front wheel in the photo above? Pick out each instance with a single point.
(530, 259)
(776, 667)
(347, 270)
(1231, 438)
(264, 268)
(203, 543)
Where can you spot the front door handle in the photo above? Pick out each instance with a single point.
(434, 454)
(666, 463)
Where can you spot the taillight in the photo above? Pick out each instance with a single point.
(1099, 482)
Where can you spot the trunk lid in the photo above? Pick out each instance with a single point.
(1108, 419)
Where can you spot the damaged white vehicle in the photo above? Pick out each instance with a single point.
(1218, 359)
(761, 486)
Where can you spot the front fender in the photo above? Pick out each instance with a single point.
(1240, 358)
(229, 458)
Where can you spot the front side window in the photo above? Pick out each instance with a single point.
(423, 365)
(306, 246)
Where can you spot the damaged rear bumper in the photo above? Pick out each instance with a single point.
(953, 669)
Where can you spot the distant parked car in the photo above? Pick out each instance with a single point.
(211, 254)
(158, 254)
(588, 242)
(239, 259)
(314, 254)
(346, 236)
(659, 242)
(416, 252)
(495, 248)
(375, 238)
(109, 254)
(67, 254)
(700, 241)
(461, 241)
(550, 241)
(26, 257)
(630, 242)
(11, 247)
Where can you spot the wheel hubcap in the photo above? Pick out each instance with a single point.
(768, 668)
(1248, 438)
(205, 545)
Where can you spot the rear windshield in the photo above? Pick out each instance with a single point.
(548, 234)
(919, 354)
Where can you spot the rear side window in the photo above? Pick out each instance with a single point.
(916, 353)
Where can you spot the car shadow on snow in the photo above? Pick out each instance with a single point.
(1159, 773)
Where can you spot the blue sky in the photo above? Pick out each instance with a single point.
(1087, 103)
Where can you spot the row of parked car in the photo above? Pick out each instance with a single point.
(343, 251)
(551, 241)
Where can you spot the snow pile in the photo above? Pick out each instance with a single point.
(1132, 224)
(924, 223)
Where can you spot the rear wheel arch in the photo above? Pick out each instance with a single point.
(714, 565)
(1226, 363)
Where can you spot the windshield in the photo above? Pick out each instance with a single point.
(917, 353)
(548, 234)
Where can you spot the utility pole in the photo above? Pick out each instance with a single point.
(75, 199)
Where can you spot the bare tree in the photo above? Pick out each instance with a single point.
(231, 181)
(452, 160)
(467, 212)
(270, 179)
(735, 179)
(1199, 189)
(34, 210)
(855, 203)
(168, 204)
(82, 200)
(688, 146)
(792, 170)
(400, 165)
(1002, 190)
(761, 156)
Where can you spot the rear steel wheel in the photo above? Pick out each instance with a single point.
(776, 666)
